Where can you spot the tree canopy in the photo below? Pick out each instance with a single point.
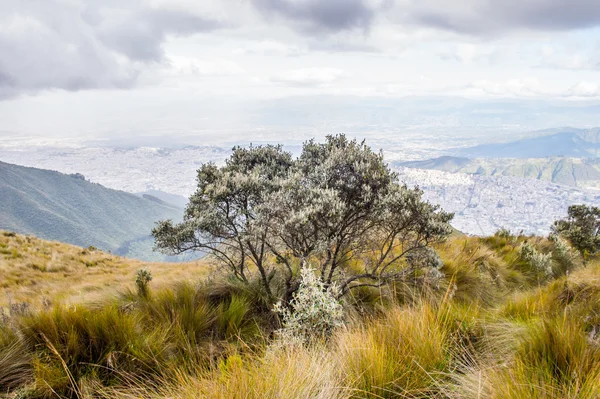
(337, 206)
(582, 228)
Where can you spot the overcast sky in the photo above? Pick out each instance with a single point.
(70, 67)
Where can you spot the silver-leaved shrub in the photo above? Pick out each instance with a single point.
(542, 263)
(313, 313)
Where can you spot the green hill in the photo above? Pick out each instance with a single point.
(68, 208)
(574, 172)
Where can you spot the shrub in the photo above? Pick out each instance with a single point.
(142, 279)
(562, 255)
(541, 263)
(581, 228)
(503, 233)
(314, 312)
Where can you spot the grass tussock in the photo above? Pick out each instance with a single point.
(495, 326)
(398, 355)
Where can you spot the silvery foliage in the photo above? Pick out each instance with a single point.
(426, 259)
(562, 249)
(540, 262)
(221, 218)
(313, 313)
(562, 253)
(337, 205)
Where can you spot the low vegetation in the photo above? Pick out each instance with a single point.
(40, 272)
(492, 326)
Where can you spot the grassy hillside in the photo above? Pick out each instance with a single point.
(494, 326)
(67, 208)
(567, 171)
(35, 271)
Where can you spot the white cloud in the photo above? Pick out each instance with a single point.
(569, 59)
(182, 66)
(468, 53)
(309, 76)
(164, 51)
(525, 87)
(532, 88)
(584, 89)
(493, 18)
(268, 47)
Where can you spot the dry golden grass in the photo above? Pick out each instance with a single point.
(491, 328)
(34, 270)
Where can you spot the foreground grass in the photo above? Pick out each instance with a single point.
(494, 327)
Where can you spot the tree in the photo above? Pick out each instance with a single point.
(581, 228)
(221, 217)
(337, 206)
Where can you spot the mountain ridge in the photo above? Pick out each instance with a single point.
(574, 172)
(559, 142)
(67, 208)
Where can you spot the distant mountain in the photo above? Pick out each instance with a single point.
(67, 208)
(574, 172)
(562, 142)
(174, 199)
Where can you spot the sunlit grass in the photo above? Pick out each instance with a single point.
(38, 271)
(491, 328)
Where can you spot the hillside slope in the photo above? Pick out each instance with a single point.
(34, 270)
(68, 208)
(573, 172)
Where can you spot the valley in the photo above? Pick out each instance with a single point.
(70, 209)
(486, 193)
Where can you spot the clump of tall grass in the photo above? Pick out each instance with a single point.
(150, 336)
(396, 356)
(74, 342)
(283, 372)
(15, 360)
(554, 359)
(476, 272)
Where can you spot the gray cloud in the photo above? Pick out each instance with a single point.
(139, 34)
(320, 16)
(481, 17)
(70, 45)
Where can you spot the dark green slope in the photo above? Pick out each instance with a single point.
(61, 207)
